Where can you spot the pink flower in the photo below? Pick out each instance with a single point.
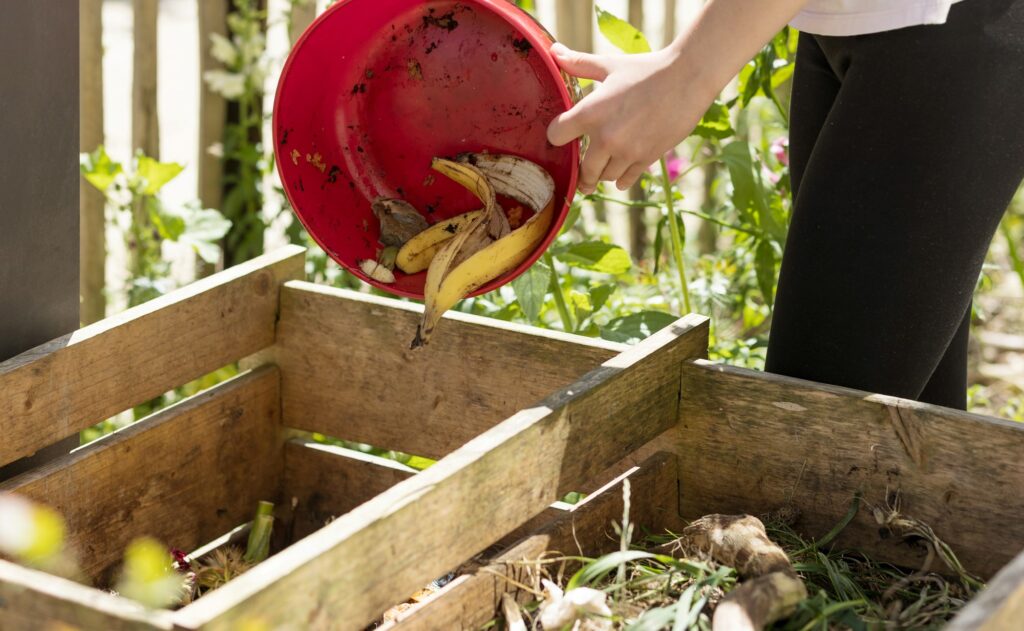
(780, 149)
(676, 165)
(770, 175)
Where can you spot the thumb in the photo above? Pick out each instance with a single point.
(580, 64)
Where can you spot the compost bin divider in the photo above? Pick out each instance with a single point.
(73, 382)
(753, 442)
(348, 371)
(357, 566)
(166, 475)
(999, 606)
(471, 600)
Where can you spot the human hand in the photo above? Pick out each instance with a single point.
(644, 105)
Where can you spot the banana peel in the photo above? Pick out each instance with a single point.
(417, 253)
(486, 247)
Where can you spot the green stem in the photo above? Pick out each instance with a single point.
(258, 546)
(778, 105)
(556, 290)
(695, 213)
(1015, 257)
(678, 236)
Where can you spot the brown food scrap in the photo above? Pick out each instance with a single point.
(317, 160)
(295, 157)
(415, 72)
(429, 180)
(399, 221)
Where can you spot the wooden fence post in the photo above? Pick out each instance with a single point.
(302, 14)
(668, 32)
(145, 124)
(574, 19)
(213, 18)
(91, 203)
(637, 216)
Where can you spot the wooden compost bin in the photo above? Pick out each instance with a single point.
(517, 416)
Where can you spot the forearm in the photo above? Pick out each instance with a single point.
(725, 35)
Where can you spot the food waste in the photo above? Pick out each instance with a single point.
(463, 253)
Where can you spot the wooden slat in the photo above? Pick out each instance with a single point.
(213, 109)
(145, 122)
(325, 482)
(471, 601)
(184, 475)
(75, 381)
(349, 373)
(31, 601)
(752, 442)
(91, 204)
(350, 571)
(1000, 606)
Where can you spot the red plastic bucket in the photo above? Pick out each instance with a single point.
(376, 88)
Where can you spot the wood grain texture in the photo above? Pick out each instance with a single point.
(36, 601)
(91, 202)
(471, 601)
(753, 442)
(75, 381)
(346, 574)
(325, 482)
(184, 475)
(349, 373)
(1000, 606)
(145, 120)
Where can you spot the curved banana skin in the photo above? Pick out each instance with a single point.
(487, 248)
(416, 254)
(500, 257)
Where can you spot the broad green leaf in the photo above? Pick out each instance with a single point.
(599, 295)
(419, 462)
(526, 5)
(715, 123)
(156, 174)
(621, 33)
(659, 241)
(204, 228)
(531, 289)
(782, 74)
(98, 169)
(169, 225)
(573, 216)
(637, 326)
(581, 304)
(764, 266)
(597, 256)
(747, 194)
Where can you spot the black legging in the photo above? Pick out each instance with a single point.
(906, 148)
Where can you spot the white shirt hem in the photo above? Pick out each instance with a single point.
(904, 15)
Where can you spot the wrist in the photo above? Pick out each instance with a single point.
(694, 74)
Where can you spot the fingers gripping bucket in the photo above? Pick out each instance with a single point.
(374, 89)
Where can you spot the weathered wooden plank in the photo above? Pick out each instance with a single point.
(350, 571)
(145, 120)
(324, 482)
(36, 601)
(91, 250)
(348, 371)
(752, 442)
(184, 475)
(75, 381)
(471, 601)
(213, 109)
(1000, 606)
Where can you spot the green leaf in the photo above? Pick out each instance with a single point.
(597, 256)
(764, 266)
(156, 174)
(531, 289)
(621, 33)
(572, 217)
(659, 241)
(204, 228)
(748, 196)
(601, 566)
(170, 225)
(637, 326)
(715, 123)
(98, 169)
(599, 295)
(581, 304)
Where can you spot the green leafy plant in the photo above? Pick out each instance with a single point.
(132, 193)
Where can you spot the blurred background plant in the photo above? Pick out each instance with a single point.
(703, 231)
